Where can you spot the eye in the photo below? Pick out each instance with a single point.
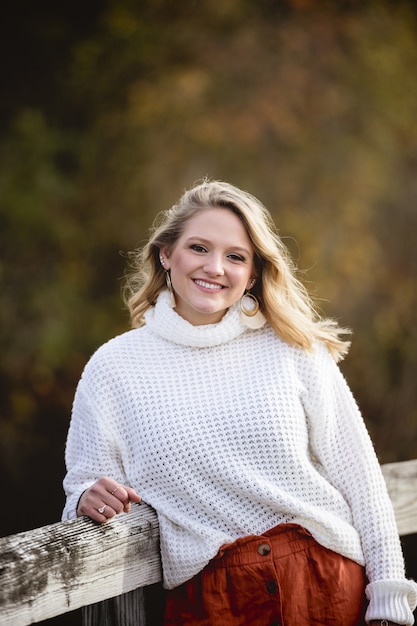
(236, 257)
(198, 247)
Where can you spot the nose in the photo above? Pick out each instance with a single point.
(214, 265)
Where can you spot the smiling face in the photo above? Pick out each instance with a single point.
(211, 265)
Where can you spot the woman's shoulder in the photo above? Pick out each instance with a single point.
(115, 350)
(120, 342)
(316, 354)
(302, 362)
(313, 363)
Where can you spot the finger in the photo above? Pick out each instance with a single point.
(125, 493)
(105, 499)
(99, 514)
(94, 504)
(120, 498)
(115, 503)
(106, 512)
(133, 495)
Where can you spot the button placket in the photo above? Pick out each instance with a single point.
(272, 587)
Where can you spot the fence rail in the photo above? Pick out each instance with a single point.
(58, 568)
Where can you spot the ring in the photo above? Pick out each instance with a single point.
(114, 491)
(101, 509)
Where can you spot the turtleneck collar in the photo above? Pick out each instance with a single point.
(165, 322)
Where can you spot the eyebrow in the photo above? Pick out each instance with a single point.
(208, 242)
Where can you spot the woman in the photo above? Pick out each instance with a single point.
(224, 410)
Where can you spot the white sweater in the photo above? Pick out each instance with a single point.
(227, 432)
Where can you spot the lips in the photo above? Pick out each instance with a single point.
(206, 285)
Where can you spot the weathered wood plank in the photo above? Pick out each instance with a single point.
(58, 568)
(401, 479)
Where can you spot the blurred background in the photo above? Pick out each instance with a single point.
(109, 109)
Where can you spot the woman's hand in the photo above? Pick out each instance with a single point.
(105, 499)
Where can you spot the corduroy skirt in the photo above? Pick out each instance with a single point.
(283, 577)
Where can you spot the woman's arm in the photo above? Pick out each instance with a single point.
(95, 450)
(340, 441)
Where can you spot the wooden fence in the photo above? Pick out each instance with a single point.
(58, 568)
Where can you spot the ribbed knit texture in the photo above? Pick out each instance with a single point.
(226, 432)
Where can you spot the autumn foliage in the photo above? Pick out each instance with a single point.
(309, 105)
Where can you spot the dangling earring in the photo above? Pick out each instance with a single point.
(169, 283)
(170, 289)
(250, 313)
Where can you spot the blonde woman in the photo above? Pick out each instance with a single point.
(224, 409)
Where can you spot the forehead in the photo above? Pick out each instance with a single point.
(217, 221)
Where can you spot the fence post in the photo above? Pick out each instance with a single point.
(125, 610)
(140, 607)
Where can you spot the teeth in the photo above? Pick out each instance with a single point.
(202, 283)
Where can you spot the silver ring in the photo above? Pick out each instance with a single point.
(114, 491)
(101, 509)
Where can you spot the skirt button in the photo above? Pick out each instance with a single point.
(271, 586)
(264, 549)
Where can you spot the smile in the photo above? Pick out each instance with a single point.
(212, 286)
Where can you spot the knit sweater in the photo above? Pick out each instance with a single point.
(227, 432)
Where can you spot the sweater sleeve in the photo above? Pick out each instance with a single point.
(341, 444)
(94, 446)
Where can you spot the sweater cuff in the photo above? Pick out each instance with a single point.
(71, 506)
(393, 600)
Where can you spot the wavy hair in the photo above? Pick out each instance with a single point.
(283, 299)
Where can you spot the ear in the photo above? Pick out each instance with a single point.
(251, 283)
(164, 257)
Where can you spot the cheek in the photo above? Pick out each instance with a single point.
(180, 265)
(241, 279)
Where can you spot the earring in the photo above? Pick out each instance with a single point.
(170, 289)
(250, 313)
(168, 282)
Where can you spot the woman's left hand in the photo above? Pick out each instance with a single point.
(105, 499)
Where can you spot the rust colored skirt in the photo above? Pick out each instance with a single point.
(282, 578)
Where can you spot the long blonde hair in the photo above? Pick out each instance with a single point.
(283, 299)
